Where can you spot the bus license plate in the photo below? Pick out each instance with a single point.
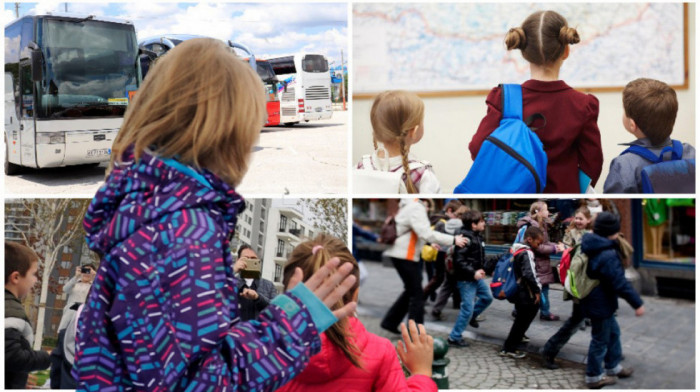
(98, 152)
(319, 109)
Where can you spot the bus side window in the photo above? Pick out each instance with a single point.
(27, 90)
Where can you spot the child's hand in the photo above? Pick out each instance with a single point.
(537, 298)
(639, 311)
(461, 241)
(326, 285)
(416, 350)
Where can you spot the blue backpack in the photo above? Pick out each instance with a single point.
(504, 285)
(676, 175)
(512, 158)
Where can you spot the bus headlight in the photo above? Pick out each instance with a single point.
(51, 138)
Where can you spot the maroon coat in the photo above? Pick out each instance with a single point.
(571, 137)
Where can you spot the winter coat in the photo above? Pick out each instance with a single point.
(77, 292)
(20, 358)
(542, 261)
(413, 230)
(524, 269)
(573, 236)
(571, 137)
(250, 309)
(471, 258)
(163, 311)
(330, 370)
(604, 264)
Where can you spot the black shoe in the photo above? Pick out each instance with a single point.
(549, 363)
(525, 339)
(474, 323)
(392, 330)
(458, 343)
(514, 313)
(549, 317)
(437, 316)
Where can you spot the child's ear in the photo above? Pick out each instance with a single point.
(14, 277)
(567, 50)
(633, 125)
(412, 132)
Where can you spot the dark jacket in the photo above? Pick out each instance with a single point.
(524, 269)
(571, 137)
(604, 264)
(250, 309)
(542, 262)
(20, 359)
(471, 258)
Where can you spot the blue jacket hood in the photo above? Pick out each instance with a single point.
(149, 189)
(592, 243)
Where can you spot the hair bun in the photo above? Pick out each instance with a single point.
(515, 39)
(569, 35)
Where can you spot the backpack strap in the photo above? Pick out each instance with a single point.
(676, 150)
(512, 95)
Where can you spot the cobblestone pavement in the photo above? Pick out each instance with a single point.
(660, 346)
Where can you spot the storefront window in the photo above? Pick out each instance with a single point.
(669, 230)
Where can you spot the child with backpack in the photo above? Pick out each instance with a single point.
(397, 124)
(650, 108)
(469, 272)
(351, 358)
(529, 288)
(580, 225)
(570, 135)
(538, 217)
(163, 311)
(600, 305)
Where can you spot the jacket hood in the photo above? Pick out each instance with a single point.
(527, 220)
(593, 243)
(453, 226)
(517, 246)
(136, 193)
(330, 363)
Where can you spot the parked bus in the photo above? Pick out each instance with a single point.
(68, 81)
(305, 87)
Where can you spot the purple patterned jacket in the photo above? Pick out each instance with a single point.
(162, 313)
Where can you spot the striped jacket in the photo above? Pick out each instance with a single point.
(162, 314)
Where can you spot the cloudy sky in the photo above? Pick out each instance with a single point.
(268, 29)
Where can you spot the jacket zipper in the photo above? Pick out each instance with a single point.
(518, 157)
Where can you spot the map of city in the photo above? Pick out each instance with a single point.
(457, 47)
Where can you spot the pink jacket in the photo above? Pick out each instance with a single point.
(330, 370)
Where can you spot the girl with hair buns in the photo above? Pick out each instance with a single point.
(351, 358)
(397, 123)
(570, 135)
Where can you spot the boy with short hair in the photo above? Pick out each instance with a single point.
(527, 301)
(650, 108)
(21, 265)
(469, 272)
(600, 305)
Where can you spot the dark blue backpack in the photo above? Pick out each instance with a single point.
(504, 285)
(676, 175)
(512, 158)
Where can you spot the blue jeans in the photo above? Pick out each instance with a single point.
(605, 346)
(470, 307)
(544, 300)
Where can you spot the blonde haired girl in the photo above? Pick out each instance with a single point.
(163, 310)
(397, 123)
(351, 358)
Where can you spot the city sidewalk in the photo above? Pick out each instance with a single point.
(660, 346)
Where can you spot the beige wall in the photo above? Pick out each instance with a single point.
(450, 124)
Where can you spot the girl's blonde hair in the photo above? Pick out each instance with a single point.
(200, 104)
(310, 256)
(587, 213)
(394, 114)
(535, 209)
(542, 38)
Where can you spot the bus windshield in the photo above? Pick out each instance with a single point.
(90, 67)
(265, 72)
(314, 63)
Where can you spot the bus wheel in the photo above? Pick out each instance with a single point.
(289, 124)
(10, 168)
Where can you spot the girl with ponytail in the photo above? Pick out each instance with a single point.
(570, 134)
(351, 358)
(397, 123)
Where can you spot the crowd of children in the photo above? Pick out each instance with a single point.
(570, 134)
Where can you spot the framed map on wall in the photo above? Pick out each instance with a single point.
(458, 47)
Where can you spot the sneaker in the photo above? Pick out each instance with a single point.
(458, 343)
(513, 354)
(525, 339)
(625, 372)
(549, 317)
(549, 362)
(480, 318)
(392, 330)
(606, 380)
(474, 323)
(438, 316)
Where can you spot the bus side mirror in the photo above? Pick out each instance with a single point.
(285, 86)
(149, 53)
(36, 62)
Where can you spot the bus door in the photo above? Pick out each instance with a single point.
(27, 118)
(11, 119)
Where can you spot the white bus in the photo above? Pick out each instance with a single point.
(305, 87)
(68, 81)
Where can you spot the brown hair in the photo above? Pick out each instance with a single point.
(461, 211)
(542, 38)
(469, 217)
(453, 205)
(393, 115)
(586, 212)
(303, 257)
(653, 106)
(201, 104)
(18, 258)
